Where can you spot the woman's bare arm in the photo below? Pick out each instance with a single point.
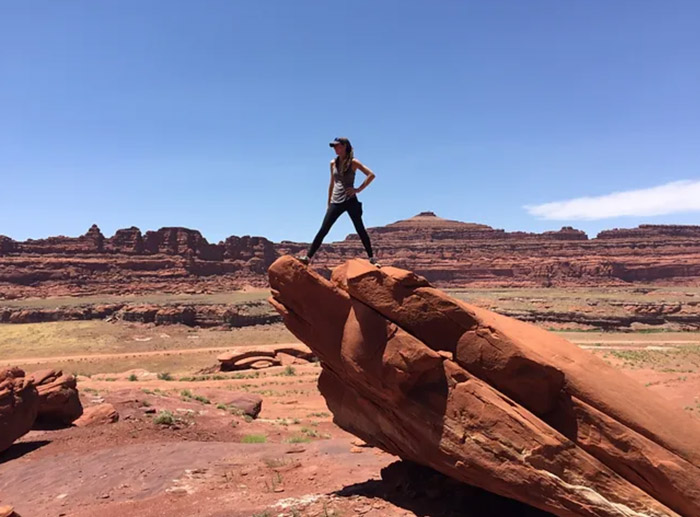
(330, 187)
(367, 171)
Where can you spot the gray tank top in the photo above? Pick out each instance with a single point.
(340, 183)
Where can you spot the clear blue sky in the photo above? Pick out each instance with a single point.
(215, 115)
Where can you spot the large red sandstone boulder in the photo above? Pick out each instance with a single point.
(59, 402)
(488, 400)
(19, 405)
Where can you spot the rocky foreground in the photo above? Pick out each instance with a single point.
(485, 399)
(447, 253)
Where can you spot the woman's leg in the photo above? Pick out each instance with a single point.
(355, 213)
(334, 211)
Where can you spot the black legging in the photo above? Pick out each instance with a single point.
(353, 207)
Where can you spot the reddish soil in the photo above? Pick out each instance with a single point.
(199, 466)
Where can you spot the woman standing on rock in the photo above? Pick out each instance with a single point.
(342, 197)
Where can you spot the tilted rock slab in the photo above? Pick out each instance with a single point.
(485, 399)
(632, 430)
(59, 402)
(19, 405)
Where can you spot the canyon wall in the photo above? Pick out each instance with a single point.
(447, 253)
(453, 253)
(172, 260)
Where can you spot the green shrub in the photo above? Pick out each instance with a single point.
(254, 438)
(313, 433)
(298, 439)
(165, 417)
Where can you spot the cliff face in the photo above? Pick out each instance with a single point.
(169, 260)
(485, 399)
(448, 253)
(454, 253)
(652, 232)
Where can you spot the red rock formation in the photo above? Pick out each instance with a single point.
(170, 260)
(91, 242)
(205, 315)
(601, 411)
(98, 415)
(267, 355)
(7, 245)
(59, 403)
(173, 241)
(19, 405)
(246, 248)
(567, 233)
(486, 399)
(448, 253)
(127, 240)
(453, 253)
(649, 232)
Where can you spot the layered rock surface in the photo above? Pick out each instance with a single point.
(454, 253)
(448, 253)
(488, 400)
(170, 260)
(59, 402)
(19, 405)
(264, 356)
(205, 315)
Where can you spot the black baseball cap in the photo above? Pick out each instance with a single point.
(339, 140)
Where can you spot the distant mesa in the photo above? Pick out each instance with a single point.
(171, 259)
(167, 241)
(449, 253)
(432, 227)
(652, 231)
(430, 219)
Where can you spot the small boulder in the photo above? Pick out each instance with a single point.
(98, 415)
(286, 359)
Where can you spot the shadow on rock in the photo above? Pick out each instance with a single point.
(18, 450)
(428, 493)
